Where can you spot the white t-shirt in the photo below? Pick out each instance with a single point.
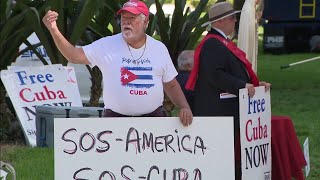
(131, 85)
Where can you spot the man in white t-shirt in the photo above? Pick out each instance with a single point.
(136, 68)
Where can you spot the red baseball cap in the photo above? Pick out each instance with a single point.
(135, 7)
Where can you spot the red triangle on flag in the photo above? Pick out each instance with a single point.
(127, 76)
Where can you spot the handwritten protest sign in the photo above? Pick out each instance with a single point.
(255, 130)
(144, 148)
(29, 87)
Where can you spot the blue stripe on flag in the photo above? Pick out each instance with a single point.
(149, 77)
(139, 68)
(140, 85)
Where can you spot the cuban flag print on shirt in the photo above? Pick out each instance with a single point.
(138, 77)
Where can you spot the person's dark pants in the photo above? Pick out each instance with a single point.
(237, 150)
(237, 157)
(156, 113)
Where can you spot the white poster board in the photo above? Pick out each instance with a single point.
(154, 148)
(29, 57)
(306, 156)
(255, 132)
(29, 87)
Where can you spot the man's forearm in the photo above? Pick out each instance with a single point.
(71, 53)
(176, 95)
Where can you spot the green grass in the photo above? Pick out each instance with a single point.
(295, 93)
(29, 163)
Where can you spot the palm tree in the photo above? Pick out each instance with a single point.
(185, 28)
(81, 23)
(183, 32)
(14, 30)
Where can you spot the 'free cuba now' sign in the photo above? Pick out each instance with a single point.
(29, 87)
(255, 134)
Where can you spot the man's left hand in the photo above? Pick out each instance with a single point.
(265, 84)
(186, 116)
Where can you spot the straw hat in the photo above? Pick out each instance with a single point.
(219, 11)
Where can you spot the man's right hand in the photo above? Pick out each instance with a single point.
(50, 19)
(251, 89)
(71, 53)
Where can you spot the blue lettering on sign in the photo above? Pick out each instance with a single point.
(41, 50)
(24, 78)
(256, 105)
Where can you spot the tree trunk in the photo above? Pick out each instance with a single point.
(96, 86)
(10, 129)
(4, 115)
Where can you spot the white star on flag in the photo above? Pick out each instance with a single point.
(126, 76)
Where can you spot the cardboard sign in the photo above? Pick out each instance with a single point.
(29, 87)
(255, 132)
(154, 148)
